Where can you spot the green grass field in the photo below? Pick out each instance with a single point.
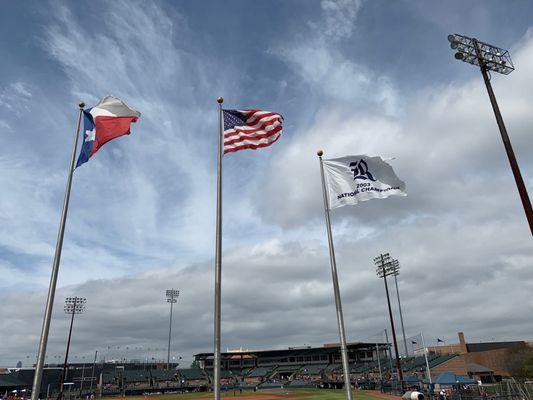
(300, 394)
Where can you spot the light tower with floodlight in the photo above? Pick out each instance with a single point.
(172, 297)
(73, 306)
(491, 58)
(385, 267)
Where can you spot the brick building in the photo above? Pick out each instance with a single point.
(483, 361)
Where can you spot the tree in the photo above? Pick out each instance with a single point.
(195, 364)
(519, 362)
(528, 366)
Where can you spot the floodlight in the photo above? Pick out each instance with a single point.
(492, 58)
(485, 55)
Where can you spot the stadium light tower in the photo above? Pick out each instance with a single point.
(395, 273)
(491, 58)
(385, 267)
(73, 306)
(172, 297)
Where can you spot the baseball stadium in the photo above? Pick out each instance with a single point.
(304, 372)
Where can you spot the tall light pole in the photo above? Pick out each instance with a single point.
(395, 272)
(384, 267)
(492, 58)
(73, 306)
(172, 297)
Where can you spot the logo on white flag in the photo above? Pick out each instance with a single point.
(360, 170)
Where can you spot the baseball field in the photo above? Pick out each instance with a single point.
(275, 394)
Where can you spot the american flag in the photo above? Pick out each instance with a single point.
(250, 129)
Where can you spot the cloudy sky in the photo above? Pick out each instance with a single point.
(350, 77)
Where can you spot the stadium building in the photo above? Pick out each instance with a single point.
(370, 363)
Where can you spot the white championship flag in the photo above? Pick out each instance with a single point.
(352, 179)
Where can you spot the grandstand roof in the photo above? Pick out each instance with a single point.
(306, 350)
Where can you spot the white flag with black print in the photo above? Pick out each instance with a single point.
(352, 179)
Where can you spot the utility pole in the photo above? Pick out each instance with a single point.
(492, 58)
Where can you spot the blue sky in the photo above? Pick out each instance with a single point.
(349, 76)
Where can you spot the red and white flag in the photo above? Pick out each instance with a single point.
(250, 129)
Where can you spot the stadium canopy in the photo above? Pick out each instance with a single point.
(449, 378)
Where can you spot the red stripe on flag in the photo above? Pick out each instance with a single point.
(240, 128)
(253, 137)
(251, 146)
(258, 118)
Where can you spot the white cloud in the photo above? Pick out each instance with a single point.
(339, 17)
(315, 55)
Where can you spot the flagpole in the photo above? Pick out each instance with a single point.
(218, 258)
(336, 291)
(36, 387)
(426, 356)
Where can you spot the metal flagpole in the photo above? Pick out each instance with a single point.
(218, 257)
(426, 356)
(36, 387)
(401, 316)
(336, 291)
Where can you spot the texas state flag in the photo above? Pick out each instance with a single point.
(107, 120)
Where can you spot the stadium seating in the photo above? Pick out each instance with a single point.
(313, 369)
(260, 372)
(191, 374)
(160, 375)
